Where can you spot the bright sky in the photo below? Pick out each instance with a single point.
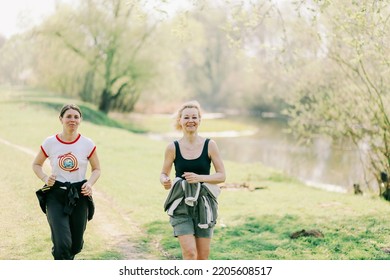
(17, 15)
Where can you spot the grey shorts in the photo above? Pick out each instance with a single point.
(183, 225)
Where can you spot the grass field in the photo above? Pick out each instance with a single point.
(130, 223)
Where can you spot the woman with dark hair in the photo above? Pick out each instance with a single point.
(66, 197)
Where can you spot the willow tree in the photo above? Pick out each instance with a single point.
(109, 37)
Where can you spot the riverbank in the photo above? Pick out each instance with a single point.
(254, 223)
(267, 142)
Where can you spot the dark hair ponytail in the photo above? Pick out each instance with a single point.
(68, 107)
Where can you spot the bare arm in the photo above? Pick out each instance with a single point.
(95, 169)
(86, 189)
(37, 167)
(169, 157)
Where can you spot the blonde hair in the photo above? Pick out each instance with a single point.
(190, 104)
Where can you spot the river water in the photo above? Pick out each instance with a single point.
(320, 164)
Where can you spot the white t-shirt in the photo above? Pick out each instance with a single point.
(68, 160)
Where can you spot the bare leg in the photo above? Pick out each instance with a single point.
(188, 246)
(203, 248)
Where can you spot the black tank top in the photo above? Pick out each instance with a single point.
(200, 165)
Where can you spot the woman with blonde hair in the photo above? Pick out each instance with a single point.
(191, 202)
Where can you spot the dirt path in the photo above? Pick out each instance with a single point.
(117, 227)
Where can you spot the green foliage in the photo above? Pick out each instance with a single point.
(14, 61)
(349, 103)
(245, 55)
(109, 66)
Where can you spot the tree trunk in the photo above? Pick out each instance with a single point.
(87, 92)
(105, 101)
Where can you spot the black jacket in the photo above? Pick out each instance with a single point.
(72, 190)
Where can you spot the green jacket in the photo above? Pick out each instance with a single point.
(199, 198)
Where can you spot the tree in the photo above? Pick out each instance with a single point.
(208, 64)
(335, 58)
(108, 37)
(14, 60)
(271, 44)
(351, 101)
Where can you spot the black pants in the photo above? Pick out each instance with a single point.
(67, 231)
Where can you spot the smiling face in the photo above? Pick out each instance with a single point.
(188, 111)
(190, 119)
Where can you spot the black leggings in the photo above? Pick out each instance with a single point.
(67, 231)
